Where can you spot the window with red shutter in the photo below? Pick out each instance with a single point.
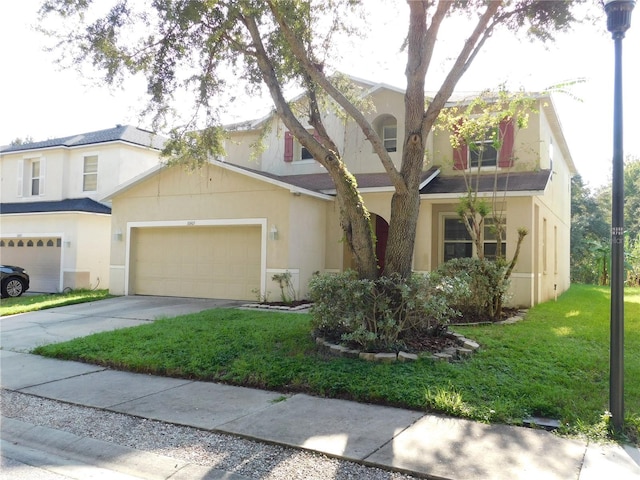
(507, 134)
(288, 147)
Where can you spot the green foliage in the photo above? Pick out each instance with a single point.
(480, 283)
(379, 314)
(288, 292)
(590, 233)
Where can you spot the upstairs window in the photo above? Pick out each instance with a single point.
(386, 126)
(294, 151)
(390, 137)
(35, 177)
(484, 154)
(30, 177)
(90, 174)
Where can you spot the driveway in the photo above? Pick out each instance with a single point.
(25, 331)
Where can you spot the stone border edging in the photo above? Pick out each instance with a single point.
(282, 308)
(450, 354)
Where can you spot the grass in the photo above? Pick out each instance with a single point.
(30, 303)
(555, 363)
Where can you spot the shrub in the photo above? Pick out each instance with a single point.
(481, 287)
(378, 314)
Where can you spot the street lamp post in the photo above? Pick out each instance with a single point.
(618, 22)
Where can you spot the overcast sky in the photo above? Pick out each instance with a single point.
(39, 100)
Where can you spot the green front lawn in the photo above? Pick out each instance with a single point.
(555, 363)
(30, 303)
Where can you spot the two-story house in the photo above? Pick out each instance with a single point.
(52, 220)
(225, 230)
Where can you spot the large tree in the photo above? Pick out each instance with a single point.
(209, 44)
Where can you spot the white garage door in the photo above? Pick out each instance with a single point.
(201, 262)
(40, 256)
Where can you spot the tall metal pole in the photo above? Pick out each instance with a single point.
(618, 22)
(616, 378)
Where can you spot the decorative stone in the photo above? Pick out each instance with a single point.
(351, 353)
(337, 349)
(319, 340)
(386, 357)
(450, 351)
(464, 352)
(470, 344)
(369, 357)
(407, 357)
(443, 356)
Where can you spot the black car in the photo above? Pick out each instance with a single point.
(13, 280)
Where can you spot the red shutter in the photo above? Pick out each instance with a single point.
(507, 132)
(460, 157)
(288, 147)
(460, 154)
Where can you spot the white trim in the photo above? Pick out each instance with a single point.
(522, 275)
(429, 178)
(222, 222)
(456, 196)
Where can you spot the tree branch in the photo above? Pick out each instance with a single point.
(318, 77)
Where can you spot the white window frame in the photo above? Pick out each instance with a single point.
(474, 250)
(86, 174)
(299, 152)
(26, 178)
(390, 139)
(471, 153)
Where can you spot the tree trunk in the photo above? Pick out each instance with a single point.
(402, 233)
(355, 223)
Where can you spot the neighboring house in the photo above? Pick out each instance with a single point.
(225, 230)
(52, 220)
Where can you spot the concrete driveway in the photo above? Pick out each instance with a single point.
(25, 331)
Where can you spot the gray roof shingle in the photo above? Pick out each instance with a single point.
(509, 182)
(124, 133)
(68, 205)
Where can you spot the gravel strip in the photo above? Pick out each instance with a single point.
(226, 452)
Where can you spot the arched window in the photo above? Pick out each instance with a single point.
(387, 128)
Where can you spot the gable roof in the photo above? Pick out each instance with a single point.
(85, 205)
(510, 182)
(318, 185)
(122, 133)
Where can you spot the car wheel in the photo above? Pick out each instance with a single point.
(13, 287)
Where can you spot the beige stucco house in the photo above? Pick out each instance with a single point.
(52, 220)
(225, 230)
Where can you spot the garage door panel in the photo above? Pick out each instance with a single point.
(40, 256)
(203, 262)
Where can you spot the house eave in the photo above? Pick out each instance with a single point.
(74, 147)
(458, 195)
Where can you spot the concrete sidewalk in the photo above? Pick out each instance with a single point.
(405, 440)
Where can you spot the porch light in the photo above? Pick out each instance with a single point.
(117, 235)
(618, 22)
(273, 233)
